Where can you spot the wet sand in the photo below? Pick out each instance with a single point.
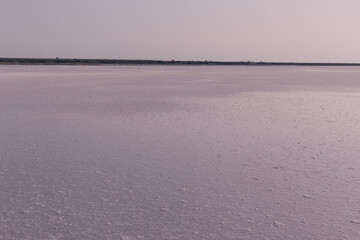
(175, 152)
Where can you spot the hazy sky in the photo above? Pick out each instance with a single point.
(257, 30)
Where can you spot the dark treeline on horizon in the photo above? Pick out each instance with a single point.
(68, 61)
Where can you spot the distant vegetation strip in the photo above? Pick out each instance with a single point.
(67, 61)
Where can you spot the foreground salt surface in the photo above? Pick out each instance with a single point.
(179, 152)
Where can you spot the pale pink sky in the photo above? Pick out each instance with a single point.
(227, 30)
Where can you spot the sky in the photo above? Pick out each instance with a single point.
(223, 30)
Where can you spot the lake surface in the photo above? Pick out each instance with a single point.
(179, 152)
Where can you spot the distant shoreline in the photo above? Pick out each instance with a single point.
(73, 61)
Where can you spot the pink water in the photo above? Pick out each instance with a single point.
(178, 152)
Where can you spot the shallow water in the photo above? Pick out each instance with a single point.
(164, 152)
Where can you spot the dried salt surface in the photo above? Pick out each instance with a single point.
(179, 152)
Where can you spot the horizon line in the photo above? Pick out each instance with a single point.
(111, 61)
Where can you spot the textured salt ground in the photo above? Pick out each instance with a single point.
(179, 152)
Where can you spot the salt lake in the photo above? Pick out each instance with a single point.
(179, 152)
